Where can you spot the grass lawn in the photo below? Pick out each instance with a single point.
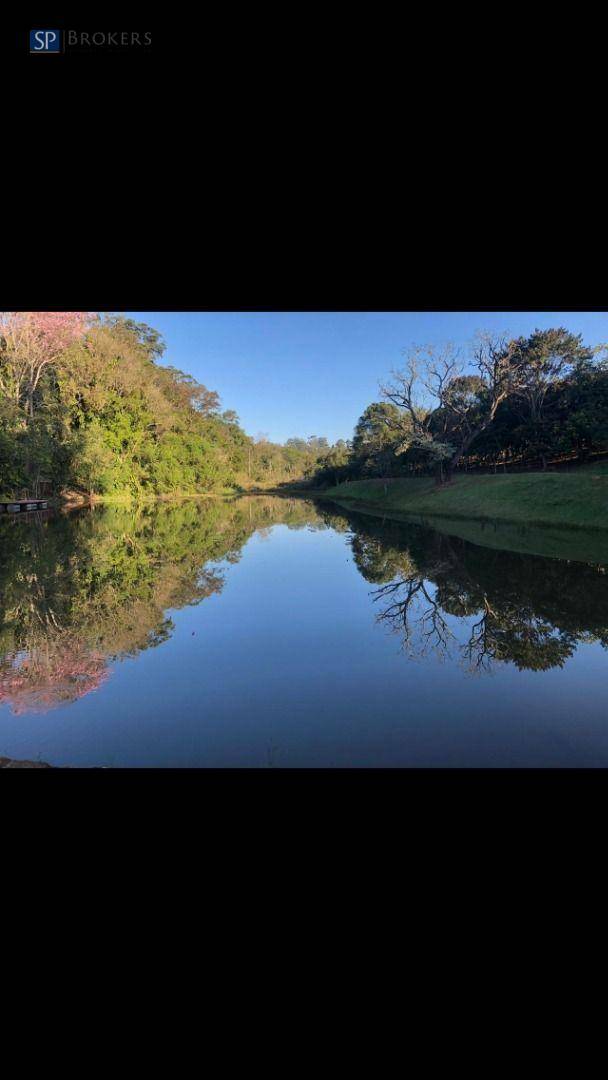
(576, 499)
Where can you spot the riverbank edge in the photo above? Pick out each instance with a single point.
(72, 499)
(538, 499)
(397, 514)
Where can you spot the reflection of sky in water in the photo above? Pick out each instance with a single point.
(256, 633)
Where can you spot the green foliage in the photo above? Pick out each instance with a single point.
(271, 463)
(376, 440)
(110, 420)
(534, 402)
(93, 459)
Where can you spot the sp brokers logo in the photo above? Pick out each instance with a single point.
(45, 41)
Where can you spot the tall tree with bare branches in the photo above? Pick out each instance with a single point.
(447, 399)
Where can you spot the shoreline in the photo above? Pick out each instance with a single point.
(573, 502)
(394, 513)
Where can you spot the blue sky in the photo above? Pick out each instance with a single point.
(313, 373)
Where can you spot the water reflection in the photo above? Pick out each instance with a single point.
(83, 589)
(483, 606)
(79, 591)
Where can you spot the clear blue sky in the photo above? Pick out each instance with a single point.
(313, 373)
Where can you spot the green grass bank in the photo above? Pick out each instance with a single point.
(574, 500)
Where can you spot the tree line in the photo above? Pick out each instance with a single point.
(505, 403)
(86, 404)
(296, 460)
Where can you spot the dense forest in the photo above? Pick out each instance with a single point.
(508, 404)
(86, 405)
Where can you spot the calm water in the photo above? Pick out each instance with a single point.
(274, 632)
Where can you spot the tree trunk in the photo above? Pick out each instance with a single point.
(456, 459)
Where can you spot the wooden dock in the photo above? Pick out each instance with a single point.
(21, 506)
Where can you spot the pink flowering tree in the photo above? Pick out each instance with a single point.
(30, 342)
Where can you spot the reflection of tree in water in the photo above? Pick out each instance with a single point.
(82, 590)
(53, 673)
(525, 609)
(403, 598)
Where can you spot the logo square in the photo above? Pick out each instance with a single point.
(45, 41)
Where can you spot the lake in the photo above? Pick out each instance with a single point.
(281, 632)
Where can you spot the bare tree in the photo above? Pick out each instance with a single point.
(447, 402)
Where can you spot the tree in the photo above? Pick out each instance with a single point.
(230, 417)
(146, 336)
(375, 439)
(186, 393)
(93, 459)
(543, 359)
(332, 467)
(31, 341)
(583, 409)
(442, 409)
